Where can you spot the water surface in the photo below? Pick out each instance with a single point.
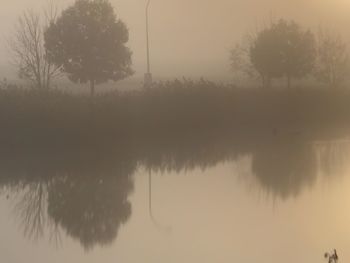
(270, 200)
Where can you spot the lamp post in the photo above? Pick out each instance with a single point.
(148, 74)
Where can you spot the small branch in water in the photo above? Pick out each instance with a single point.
(332, 257)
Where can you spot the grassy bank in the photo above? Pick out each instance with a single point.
(45, 118)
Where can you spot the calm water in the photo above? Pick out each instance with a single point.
(283, 201)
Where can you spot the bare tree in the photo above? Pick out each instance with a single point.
(28, 50)
(332, 60)
(240, 60)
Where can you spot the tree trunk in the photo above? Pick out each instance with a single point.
(263, 81)
(48, 77)
(269, 82)
(92, 88)
(266, 81)
(288, 81)
(38, 81)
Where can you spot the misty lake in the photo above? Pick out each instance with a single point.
(130, 135)
(284, 200)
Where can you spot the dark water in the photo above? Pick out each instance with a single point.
(273, 198)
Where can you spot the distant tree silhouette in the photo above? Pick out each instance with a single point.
(265, 57)
(283, 49)
(332, 60)
(27, 47)
(88, 42)
(240, 60)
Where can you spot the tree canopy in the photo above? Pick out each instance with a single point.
(88, 43)
(283, 49)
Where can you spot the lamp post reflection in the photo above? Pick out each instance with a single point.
(162, 228)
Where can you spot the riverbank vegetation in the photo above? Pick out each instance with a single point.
(46, 117)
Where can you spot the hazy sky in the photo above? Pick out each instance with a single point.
(192, 38)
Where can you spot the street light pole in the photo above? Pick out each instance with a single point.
(148, 74)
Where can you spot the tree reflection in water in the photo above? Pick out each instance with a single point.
(91, 209)
(87, 199)
(31, 209)
(283, 168)
(84, 192)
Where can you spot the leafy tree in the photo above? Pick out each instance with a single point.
(88, 42)
(264, 55)
(283, 49)
(332, 60)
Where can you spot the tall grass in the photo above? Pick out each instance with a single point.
(34, 118)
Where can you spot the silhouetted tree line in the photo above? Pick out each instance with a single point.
(284, 49)
(88, 43)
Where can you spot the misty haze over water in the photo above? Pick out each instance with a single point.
(174, 131)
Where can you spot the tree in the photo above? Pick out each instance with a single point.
(332, 60)
(240, 61)
(28, 51)
(264, 54)
(88, 43)
(283, 49)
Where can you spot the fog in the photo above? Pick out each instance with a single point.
(191, 38)
(196, 168)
